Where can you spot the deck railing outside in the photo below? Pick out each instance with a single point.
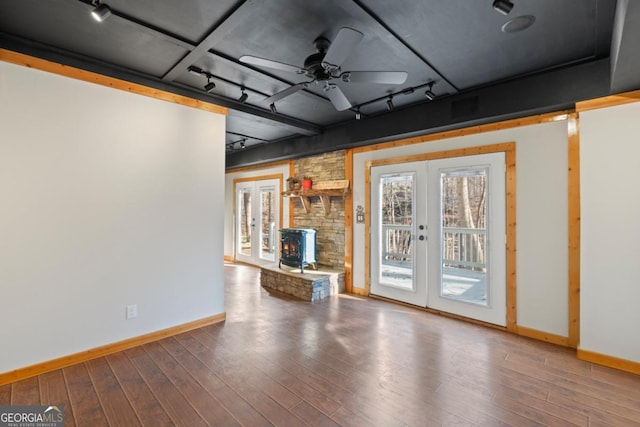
(461, 247)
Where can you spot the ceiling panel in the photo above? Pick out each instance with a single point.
(192, 20)
(68, 25)
(463, 39)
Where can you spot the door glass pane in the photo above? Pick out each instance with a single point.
(396, 244)
(464, 230)
(245, 223)
(267, 223)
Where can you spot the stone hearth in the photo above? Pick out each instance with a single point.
(313, 285)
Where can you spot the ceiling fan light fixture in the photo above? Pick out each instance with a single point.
(502, 6)
(390, 106)
(101, 12)
(243, 97)
(273, 108)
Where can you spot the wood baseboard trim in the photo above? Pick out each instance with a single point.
(609, 361)
(229, 258)
(543, 336)
(94, 353)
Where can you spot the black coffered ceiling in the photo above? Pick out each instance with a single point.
(456, 44)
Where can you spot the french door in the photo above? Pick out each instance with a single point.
(398, 237)
(438, 235)
(257, 219)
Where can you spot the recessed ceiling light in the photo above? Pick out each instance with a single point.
(519, 23)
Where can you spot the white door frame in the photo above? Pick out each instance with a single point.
(255, 184)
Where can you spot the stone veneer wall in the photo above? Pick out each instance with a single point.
(330, 237)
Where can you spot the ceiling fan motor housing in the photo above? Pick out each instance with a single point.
(313, 65)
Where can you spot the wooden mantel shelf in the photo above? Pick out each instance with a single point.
(305, 195)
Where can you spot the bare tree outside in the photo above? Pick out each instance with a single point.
(397, 214)
(464, 218)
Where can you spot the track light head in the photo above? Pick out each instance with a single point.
(358, 114)
(243, 144)
(390, 106)
(210, 85)
(502, 6)
(195, 70)
(273, 108)
(243, 97)
(429, 93)
(101, 12)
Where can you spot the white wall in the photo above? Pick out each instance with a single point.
(542, 209)
(610, 231)
(107, 199)
(229, 211)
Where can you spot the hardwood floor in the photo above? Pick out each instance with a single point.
(344, 361)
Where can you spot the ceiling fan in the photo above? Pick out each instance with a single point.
(324, 66)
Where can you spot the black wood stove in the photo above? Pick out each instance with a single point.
(298, 248)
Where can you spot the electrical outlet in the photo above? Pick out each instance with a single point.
(132, 311)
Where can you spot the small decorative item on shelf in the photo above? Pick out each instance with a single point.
(293, 183)
(306, 183)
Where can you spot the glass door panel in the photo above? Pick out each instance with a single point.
(245, 221)
(268, 226)
(464, 219)
(397, 240)
(396, 243)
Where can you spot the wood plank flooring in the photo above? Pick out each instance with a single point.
(345, 361)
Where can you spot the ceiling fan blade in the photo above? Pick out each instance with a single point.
(267, 63)
(341, 47)
(383, 77)
(337, 98)
(284, 93)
